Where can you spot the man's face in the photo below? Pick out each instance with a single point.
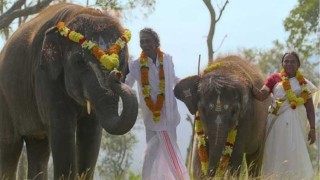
(148, 44)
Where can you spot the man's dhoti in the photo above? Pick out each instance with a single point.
(163, 159)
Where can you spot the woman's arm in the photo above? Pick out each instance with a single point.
(260, 94)
(263, 93)
(311, 118)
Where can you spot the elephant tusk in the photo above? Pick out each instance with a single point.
(88, 107)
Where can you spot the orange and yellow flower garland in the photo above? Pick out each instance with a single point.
(111, 60)
(202, 145)
(146, 89)
(202, 148)
(292, 98)
(226, 153)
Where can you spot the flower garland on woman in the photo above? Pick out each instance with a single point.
(292, 98)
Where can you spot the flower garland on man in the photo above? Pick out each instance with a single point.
(154, 72)
(291, 108)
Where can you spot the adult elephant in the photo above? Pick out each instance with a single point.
(46, 82)
(222, 95)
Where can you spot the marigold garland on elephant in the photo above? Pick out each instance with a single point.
(57, 91)
(230, 121)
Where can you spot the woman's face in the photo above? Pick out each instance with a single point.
(290, 64)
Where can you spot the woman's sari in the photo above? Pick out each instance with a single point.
(285, 154)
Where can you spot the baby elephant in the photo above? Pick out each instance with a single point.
(222, 96)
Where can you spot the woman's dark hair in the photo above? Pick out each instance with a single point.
(291, 53)
(153, 34)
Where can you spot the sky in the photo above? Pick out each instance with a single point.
(183, 26)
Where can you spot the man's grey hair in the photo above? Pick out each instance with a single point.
(153, 34)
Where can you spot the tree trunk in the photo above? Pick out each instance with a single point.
(213, 22)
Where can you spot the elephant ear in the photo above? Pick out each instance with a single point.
(187, 91)
(51, 53)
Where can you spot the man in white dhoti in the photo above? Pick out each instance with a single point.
(154, 72)
(285, 154)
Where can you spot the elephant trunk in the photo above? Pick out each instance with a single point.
(108, 113)
(217, 143)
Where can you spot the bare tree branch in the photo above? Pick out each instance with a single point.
(7, 18)
(211, 30)
(221, 42)
(213, 22)
(15, 6)
(221, 11)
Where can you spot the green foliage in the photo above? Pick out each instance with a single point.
(302, 25)
(3, 5)
(110, 4)
(145, 6)
(313, 149)
(244, 169)
(269, 61)
(116, 155)
(5, 32)
(134, 176)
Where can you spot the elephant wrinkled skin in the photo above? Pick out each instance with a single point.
(46, 81)
(222, 94)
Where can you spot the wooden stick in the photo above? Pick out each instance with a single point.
(199, 64)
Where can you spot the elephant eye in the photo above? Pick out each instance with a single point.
(78, 60)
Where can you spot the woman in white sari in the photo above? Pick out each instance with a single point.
(285, 154)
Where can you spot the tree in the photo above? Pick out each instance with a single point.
(269, 61)
(189, 149)
(213, 21)
(21, 9)
(17, 11)
(302, 25)
(146, 7)
(116, 155)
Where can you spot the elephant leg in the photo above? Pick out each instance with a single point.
(62, 141)
(89, 134)
(238, 150)
(10, 143)
(254, 161)
(9, 158)
(38, 155)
